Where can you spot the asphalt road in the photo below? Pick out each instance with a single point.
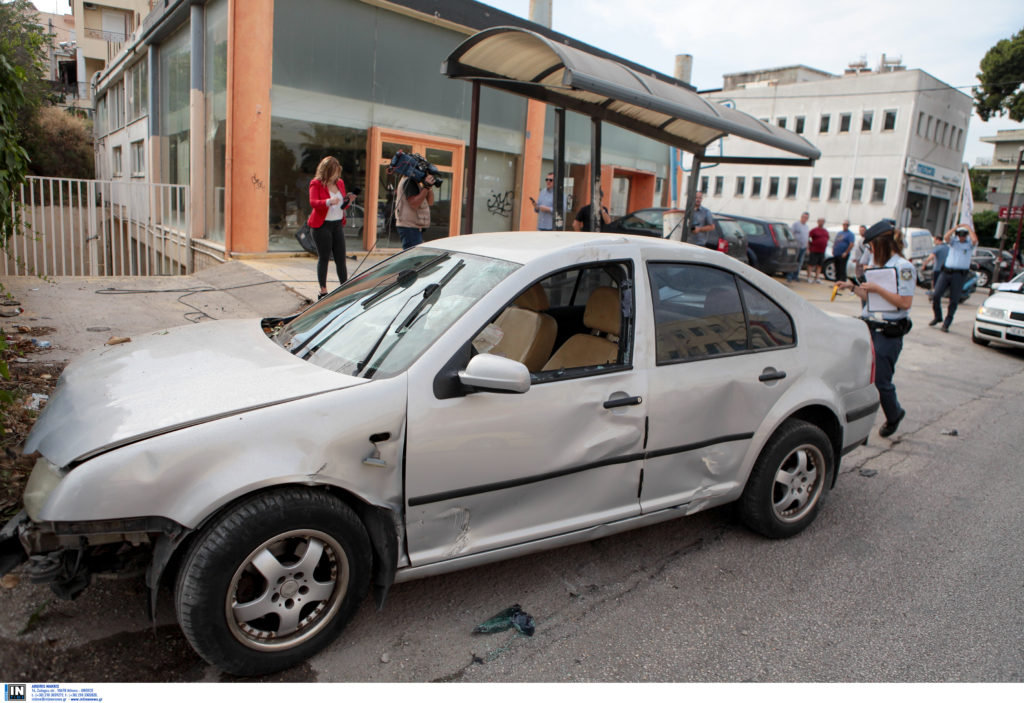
(913, 571)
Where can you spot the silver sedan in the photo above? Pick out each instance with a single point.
(465, 401)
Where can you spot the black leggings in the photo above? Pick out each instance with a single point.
(330, 239)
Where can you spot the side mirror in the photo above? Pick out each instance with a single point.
(495, 373)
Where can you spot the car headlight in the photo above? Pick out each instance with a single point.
(997, 313)
(44, 478)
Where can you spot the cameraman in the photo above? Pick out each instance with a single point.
(412, 209)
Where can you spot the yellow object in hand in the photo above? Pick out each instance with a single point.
(835, 289)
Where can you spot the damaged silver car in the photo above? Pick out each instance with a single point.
(465, 401)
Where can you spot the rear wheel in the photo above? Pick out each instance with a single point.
(273, 581)
(983, 278)
(787, 485)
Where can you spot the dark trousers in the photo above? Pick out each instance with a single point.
(330, 241)
(411, 236)
(799, 264)
(841, 262)
(887, 351)
(953, 281)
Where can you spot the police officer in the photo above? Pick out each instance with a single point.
(887, 328)
(954, 271)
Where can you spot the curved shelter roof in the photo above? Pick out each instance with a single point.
(528, 64)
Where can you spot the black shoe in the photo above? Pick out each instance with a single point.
(934, 322)
(890, 427)
(321, 296)
(945, 328)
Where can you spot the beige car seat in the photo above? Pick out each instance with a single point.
(528, 333)
(603, 316)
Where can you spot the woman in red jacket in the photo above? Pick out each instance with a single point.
(329, 201)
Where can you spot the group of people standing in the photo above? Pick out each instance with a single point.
(812, 245)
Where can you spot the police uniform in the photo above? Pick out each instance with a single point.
(887, 331)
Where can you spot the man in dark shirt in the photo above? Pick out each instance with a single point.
(817, 243)
(582, 221)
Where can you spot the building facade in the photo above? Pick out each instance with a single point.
(1006, 150)
(892, 143)
(241, 100)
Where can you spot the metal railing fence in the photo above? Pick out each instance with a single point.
(75, 227)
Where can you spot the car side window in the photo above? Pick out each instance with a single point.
(697, 312)
(574, 322)
(770, 326)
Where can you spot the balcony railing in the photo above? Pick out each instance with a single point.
(71, 91)
(93, 33)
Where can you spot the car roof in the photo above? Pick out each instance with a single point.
(523, 247)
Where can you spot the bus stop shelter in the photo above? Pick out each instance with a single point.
(528, 64)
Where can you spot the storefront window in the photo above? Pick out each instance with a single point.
(296, 148)
(216, 72)
(174, 89)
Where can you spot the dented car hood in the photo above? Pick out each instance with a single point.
(168, 379)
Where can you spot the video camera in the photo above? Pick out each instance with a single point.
(415, 167)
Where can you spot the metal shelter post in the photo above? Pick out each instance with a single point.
(558, 206)
(595, 174)
(474, 124)
(691, 193)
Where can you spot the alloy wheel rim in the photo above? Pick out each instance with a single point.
(287, 590)
(798, 482)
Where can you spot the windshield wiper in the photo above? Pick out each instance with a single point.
(430, 294)
(404, 278)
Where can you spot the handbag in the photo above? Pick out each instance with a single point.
(305, 237)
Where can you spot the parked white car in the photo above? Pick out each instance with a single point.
(1000, 318)
(465, 401)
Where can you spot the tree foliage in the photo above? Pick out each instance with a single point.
(60, 144)
(22, 91)
(985, 227)
(979, 185)
(1002, 80)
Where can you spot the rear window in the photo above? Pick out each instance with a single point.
(731, 227)
(751, 229)
(784, 234)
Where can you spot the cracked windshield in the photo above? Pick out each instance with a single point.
(378, 324)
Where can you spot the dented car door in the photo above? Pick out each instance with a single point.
(490, 470)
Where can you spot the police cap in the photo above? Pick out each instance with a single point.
(880, 228)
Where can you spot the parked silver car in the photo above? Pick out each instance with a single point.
(466, 401)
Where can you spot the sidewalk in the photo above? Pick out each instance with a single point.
(77, 314)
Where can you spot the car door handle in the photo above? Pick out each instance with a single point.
(771, 374)
(623, 402)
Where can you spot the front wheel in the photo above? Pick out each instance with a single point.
(787, 485)
(273, 581)
(983, 278)
(829, 270)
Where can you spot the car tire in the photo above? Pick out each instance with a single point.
(788, 483)
(828, 270)
(978, 340)
(259, 554)
(983, 277)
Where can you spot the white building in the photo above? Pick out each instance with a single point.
(892, 143)
(1007, 145)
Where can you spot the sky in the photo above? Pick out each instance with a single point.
(946, 38)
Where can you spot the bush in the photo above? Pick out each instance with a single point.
(985, 227)
(60, 144)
